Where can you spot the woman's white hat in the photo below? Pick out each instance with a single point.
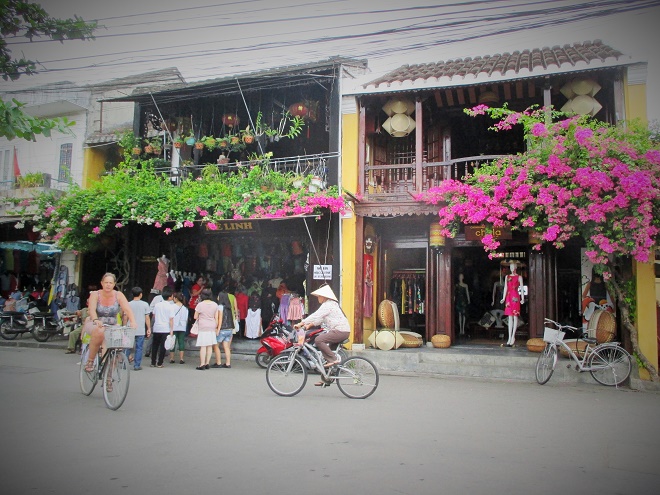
(325, 291)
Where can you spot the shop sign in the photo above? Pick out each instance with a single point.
(322, 272)
(476, 232)
(235, 227)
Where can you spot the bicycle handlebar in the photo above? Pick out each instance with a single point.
(559, 325)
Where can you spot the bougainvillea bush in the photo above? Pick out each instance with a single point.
(579, 178)
(138, 194)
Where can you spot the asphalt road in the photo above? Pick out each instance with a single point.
(223, 431)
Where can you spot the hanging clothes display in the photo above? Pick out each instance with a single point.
(407, 289)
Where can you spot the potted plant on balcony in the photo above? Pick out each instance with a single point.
(35, 179)
(130, 143)
(156, 146)
(209, 142)
(247, 135)
(178, 142)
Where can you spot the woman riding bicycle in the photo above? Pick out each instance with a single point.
(331, 316)
(104, 306)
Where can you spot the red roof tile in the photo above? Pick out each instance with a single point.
(518, 63)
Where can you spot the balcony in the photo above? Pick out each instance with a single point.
(397, 182)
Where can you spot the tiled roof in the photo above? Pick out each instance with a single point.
(519, 64)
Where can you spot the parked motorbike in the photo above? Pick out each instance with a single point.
(13, 323)
(46, 325)
(277, 337)
(280, 336)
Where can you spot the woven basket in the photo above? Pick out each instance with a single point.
(411, 339)
(441, 341)
(577, 346)
(605, 325)
(535, 345)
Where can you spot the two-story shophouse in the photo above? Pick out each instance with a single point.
(407, 131)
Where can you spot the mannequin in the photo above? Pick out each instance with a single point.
(461, 301)
(512, 300)
(498, 307)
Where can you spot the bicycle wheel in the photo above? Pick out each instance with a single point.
(284, 377)
(545, 366)
(610, 365)
(116, 379)
(357, 378)
(262, 359)
(88, 379)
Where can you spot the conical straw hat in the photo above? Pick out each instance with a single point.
(325, 291)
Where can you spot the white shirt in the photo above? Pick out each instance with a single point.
(163, 312)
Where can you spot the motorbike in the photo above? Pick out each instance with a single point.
(13, 323)
(46, 325)
(279, 336)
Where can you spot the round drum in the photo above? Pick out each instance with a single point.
(387, 314)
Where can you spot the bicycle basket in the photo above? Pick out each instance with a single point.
(122, 337)
(551, 335)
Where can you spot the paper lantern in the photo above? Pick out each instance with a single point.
(299, 110)
(436, 239)
(230, 119)
(399, 125)
(397, 106)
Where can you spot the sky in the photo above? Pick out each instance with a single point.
(206, 39)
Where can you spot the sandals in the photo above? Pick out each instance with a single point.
(330, 365)
(89, 366)
(70, 351)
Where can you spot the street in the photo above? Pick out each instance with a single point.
(223, 431)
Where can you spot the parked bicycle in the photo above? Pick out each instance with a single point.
(112, 369)
(356, 377)
(609, 363)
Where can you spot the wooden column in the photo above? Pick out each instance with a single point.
(419, 145)
(542, 285)
(357, 303)
(443, 294)
(362, 146)
(431, 288)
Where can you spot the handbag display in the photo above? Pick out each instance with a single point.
(194, 329)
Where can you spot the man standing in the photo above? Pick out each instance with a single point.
(141, 312)
(164, 313)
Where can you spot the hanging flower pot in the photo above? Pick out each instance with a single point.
(156, 150)
(178, 144)
(223, 143)
(137, 151)
(234, 140)
(190, 141)
(297, 182)
(223, 160)
(148, 149)
(247, 139)
(316, 181)
(199, 145)
(230, 119)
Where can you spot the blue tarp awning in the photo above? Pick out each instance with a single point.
(39, 247)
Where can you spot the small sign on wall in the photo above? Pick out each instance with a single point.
(322, 272)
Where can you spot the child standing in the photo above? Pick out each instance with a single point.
(141, 311)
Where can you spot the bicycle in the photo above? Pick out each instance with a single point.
(286, 375)
(609, 363)
(113, 368)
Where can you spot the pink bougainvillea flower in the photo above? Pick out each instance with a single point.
(96, 230)
(203, 213)
(157, 225)
(211, 226)
(188, 223)
(168, 231)
(119, 225)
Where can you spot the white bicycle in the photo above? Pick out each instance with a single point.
(609, 363)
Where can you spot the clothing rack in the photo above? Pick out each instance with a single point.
(411, 274)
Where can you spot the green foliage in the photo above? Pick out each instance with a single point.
(135, 192)
(30, 20)
(15, 123)
(628, 288)
(35, 179)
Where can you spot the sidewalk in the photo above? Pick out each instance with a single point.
(489, 362)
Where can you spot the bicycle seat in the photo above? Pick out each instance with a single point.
(587, 339)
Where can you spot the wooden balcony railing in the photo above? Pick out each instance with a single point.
(399, 181)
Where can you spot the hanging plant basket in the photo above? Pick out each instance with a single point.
(148, 149)
(199, 145)
(178, 144)
(137, 151)
(190, 141)
(247, 139)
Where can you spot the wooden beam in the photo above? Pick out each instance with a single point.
(531, 89)
(438, 98)
(519, 90)
(358, 330)
(419, 145)
(473, 95)
(507, 91)
(461, 96)
(450, 97)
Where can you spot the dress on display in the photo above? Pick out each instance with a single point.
(512, 302)
(161, 277)
(461, 292)
(253, 323)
